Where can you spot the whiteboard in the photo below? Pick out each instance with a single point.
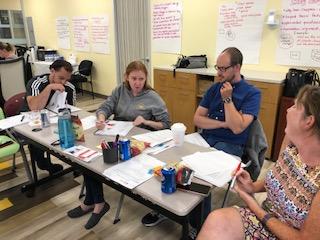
(100, 34)
(240, 25)
(81, 33)
(63, 33)
(166, 27)
(299, 35)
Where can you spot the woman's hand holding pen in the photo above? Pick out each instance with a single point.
(100, 123)
(243, 182)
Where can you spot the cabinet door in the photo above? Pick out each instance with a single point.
(267, 116)
(184, 105)
(186, 81)
(166, 95)
(163, 79)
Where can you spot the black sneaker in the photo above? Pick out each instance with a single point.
(54, 168)
(152, 219)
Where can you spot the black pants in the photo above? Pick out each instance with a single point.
(197, 217)
(37, 155)
(94, 191)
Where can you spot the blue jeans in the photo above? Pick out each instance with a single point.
(230, 148)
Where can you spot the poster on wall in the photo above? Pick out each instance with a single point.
(299, 35)
(100, 34)
(81, 34)
(63, 32)
(166, 27)
(240, 25)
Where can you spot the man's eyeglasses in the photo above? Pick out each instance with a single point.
(222, 69)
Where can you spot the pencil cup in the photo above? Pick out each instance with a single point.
(110, 155)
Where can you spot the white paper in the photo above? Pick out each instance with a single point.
(160, 148)
(197, 139)
(166, 27)
(63, 32)
(133, 172)
(113, 128)
(240, 25)
(13, 121)
(57, 101)
(155, 137)
(83, 153)
(299, 35)
(100, 34)
(73, 108)
(88, 122)
(215, 167)
(81, 34)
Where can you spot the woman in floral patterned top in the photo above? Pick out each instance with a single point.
(292, 207)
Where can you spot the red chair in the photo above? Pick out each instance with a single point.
(14, 104)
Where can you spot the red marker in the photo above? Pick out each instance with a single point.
(234, 177)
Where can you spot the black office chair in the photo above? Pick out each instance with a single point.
(83, 75)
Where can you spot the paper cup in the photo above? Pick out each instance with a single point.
(178, 131)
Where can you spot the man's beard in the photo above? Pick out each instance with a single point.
(228, 79)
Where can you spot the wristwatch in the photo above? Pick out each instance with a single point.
(227, 100)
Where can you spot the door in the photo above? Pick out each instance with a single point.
(132, 31)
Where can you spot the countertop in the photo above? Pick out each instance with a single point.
(259, 76)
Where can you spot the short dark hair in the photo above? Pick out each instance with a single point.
(235, 55)
(58, 64)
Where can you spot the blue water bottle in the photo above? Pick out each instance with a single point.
(66, 134)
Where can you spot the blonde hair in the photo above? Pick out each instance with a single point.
(7, 46)
(136, 66)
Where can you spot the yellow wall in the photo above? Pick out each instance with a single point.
(198, 34)
(199, 27)
(10, 5)
(44, 14)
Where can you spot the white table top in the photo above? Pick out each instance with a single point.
(179, 203)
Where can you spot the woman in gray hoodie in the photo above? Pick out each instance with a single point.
(136, 101)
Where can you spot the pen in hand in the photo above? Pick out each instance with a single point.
(235, 177)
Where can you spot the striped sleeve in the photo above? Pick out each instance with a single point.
(71, 90)
(38, 85)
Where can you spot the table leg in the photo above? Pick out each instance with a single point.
(116, 218)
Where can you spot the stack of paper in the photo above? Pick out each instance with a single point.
(215, 167)
(133, 172)
(113, 128)
(13, 121)
(155, 138)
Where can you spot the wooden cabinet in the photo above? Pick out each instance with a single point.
(270, 95)
(179, 94)
(182, 93)
(285, 103)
